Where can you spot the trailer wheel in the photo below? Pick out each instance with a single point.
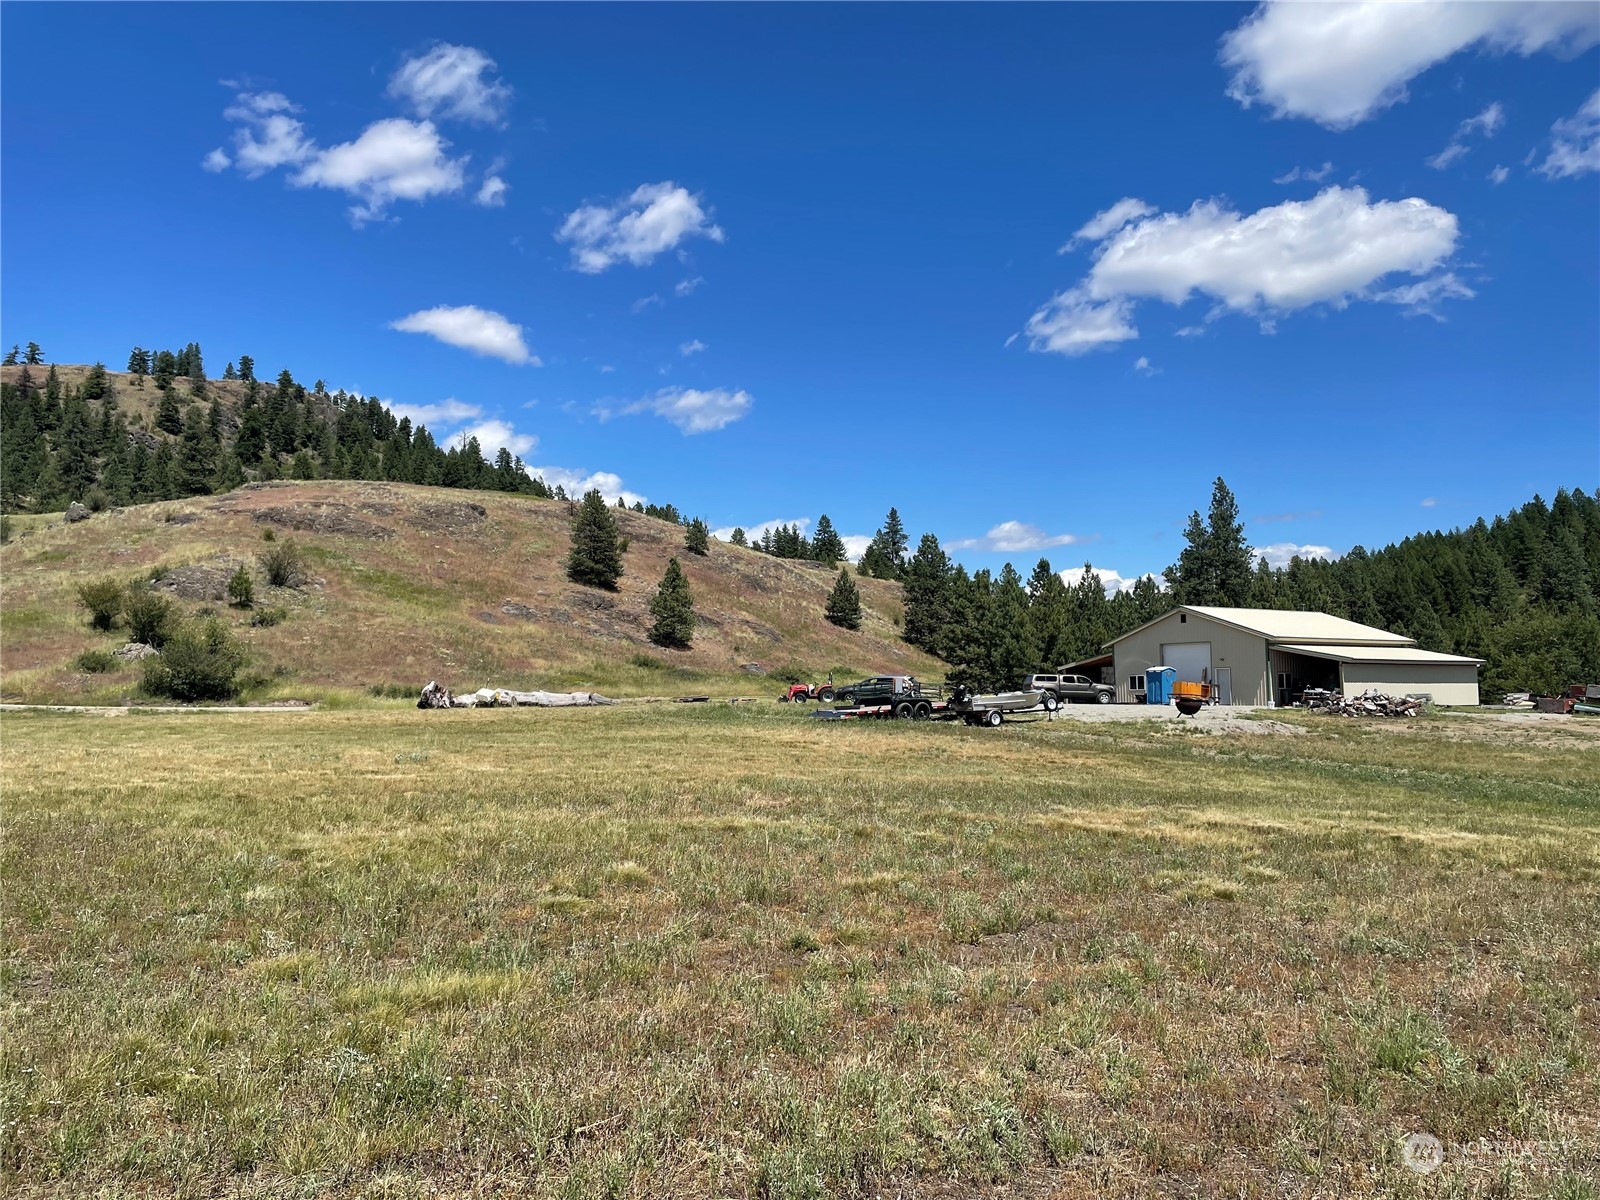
(902, 711)
(1050, 702)
(826, 695)
(922, 711)
(1103, 697)
(992, 718)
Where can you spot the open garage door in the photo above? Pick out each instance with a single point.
(1192, 660)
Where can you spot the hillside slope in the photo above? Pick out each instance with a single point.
(415, 583)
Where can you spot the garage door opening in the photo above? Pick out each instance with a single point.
(1292, 674)
(1192, 660)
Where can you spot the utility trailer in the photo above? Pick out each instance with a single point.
(905, 698)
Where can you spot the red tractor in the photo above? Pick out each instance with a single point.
(799, 693)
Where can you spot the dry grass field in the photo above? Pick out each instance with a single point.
(665, 951)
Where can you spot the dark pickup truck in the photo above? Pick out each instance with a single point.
(1068, 689)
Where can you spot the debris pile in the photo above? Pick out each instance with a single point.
(437, 696)
(1368, 704)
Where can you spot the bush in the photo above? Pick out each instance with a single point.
(149, 616)
(268, 536)
(395, 691)
(284, 564)
(266, 618)
(95, 662)
(103, 599)
(198, 662)
(5, 529)
(96, 500)
(241, 588)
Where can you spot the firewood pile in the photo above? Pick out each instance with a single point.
(1368, 704)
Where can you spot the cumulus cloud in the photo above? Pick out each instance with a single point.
(445, 414)
(1099, 226)
(578, 482)
(1144, 367)
(1279, 553)
(695, 411)
(1422, 298)
(471, 328)
(393, 159)
(452, 82)
(1331, 249)
(492, 193)
(1341, 64)
(1112, 581)
(1307, 174)
(1575, 143)
(654, 218)
(494, 434)
(1009, 537)
(693, 347)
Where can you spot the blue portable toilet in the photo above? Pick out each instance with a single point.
(1158, 685)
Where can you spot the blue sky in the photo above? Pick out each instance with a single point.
(1034, 274)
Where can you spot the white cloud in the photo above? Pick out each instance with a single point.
(493, 434)
(1143, 366)
(577, 483)
(1487, 123)
(445, 413)
(1279, 553)
(493, 192)
(686, 287)
(1008, 537)
(1112, 581)
(217, 160)
(695, 411)
(1575, 143)
(646, 302)
(694, 347)
(393, 159)
(1499, 175)
(1340, 64)
(653, 219)
(755, 532)
(1422, 298)
(1072, 323)
(471, 328)
(1108, 222)
(451, 81)
(1307, 174)
(1330, 249)
(267, 137)
(855, 545)
(1430, 502)
(1192, 331)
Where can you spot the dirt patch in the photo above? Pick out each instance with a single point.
(323, 518)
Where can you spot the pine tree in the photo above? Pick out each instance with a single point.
(96, 383)
(927, 596)
(596, 556)
(738, 537)
(34, 357)
(673, 609)
(10, 359)
(139, 365)
(169, 417)
(196, 456)
(895, 541)
(827, 546)
(1214, 568)
(844, 602)
(1012, 651)
(697, 537)
(247, 368)
(1049, 614)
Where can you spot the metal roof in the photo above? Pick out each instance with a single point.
(1380, 654)
(1281, 625)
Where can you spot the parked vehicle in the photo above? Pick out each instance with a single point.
(881, 689)
(799, 693)
(990, 710)
(1069, 689)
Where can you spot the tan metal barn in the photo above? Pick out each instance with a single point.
(1264, 656)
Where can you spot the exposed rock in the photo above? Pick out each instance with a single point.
(448, 518)
(323, 518)
(76, 512)
(134, 651)
(752, 668)
(512, 609)
(197, 582)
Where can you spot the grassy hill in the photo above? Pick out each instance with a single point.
(415, 583)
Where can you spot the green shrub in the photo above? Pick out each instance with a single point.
(266, 618)
(284, 565)
(395, 691)
(199, 662)
(95, 662)
(96, 500)
(647, 663)
(268, 536)
(149, 616)
(103, 599)
(242, 588)
(5, 528)
(156, 574)
(792, 673)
